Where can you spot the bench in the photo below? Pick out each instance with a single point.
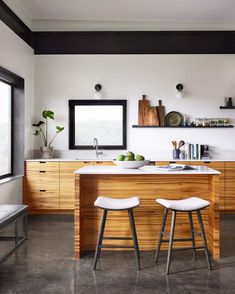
(12, 214)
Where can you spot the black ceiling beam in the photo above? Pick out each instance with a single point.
(135, 42)
(15, 23)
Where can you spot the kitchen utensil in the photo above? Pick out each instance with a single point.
(180, 144)
(152, 117)
(173, 119)
(161, 113)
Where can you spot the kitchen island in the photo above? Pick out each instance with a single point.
(148, 183)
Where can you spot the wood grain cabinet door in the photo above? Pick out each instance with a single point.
(67, 182)
(229, 185)
(41, 185)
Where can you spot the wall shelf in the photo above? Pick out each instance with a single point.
(226, 107)
(185, 127)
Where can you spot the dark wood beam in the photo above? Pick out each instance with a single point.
(15, 23)
(135, 42)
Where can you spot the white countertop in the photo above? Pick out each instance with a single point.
(146, 170)
(110, 159)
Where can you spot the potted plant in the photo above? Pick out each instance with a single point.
(41, 129)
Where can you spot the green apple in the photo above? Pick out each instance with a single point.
(129, 158)
(120, 157)
(129, 153)
(139, 157)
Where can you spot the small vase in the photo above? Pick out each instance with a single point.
(176, 153)
(47, 152)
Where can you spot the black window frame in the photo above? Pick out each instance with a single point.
(12, 130)
(17, 121)
(73, 103)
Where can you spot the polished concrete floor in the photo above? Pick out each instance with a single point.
(45, 264)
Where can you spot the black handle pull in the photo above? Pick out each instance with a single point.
(42, 171)
(86, 161)
(172, 161)
(42, 161)
(207, 162)
(42, 190)
(99, 162)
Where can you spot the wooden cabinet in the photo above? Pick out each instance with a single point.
(67, 182)
(229, 185)
(218, 165)
(49, 185)
(41, 185)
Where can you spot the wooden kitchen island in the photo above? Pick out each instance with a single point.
(148, 183)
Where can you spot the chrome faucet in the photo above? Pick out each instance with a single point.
(96, 146)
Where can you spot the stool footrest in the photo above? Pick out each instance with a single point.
(117, 238)
(115, 246)
(179, 240)
(187, 248)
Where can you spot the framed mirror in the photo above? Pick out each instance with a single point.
(102, 119)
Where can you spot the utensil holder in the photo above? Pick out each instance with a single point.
(176, 153)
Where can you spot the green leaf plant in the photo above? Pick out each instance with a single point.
(41, 128)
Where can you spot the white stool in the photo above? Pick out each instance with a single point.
(106, 204)
(186, 205)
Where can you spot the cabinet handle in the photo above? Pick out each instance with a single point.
(42, 190)
(42, 171)
(86, 161)
(207, 162)
(42, 161)
(172, 161)
(98, 162)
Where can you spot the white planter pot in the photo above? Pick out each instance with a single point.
(47, 152)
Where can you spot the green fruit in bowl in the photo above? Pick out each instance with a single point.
(139, 157)
(129, 158)
(120, 157)
(129, 153)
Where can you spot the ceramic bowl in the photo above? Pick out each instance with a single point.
(131, 164)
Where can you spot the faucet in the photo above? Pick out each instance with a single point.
(96, 146)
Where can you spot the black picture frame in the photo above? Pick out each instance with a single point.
(106, 102)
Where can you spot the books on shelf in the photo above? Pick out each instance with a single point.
(196, 151)
(175, 167)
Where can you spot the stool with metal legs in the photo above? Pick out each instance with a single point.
(106, 204)
(188, 205)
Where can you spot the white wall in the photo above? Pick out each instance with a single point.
(207, 80)
(17, 56)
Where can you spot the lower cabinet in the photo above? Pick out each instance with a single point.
(41, 185)
(218, 165)
(230, 185)
(49, 186)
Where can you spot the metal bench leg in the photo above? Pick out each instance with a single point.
(134, 235)
(204, 239)
(171, 241)
(16, 233)
(25, 225)
(100, 237)
(161, 233)
(192, 233)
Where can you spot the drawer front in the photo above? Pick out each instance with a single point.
(42, 166)
(41, 199)
(170, 162)
(229, 185)
(42, 180)
(103, 163)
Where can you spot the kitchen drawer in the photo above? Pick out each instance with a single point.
(211, 164)
(42, 180)
(170, 162)
(103, 163)
(230, 164)
(42, 166)
(36, 199)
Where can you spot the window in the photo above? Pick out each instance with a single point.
(5, 129)
(104, 120)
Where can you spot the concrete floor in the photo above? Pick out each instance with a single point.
(45, 264)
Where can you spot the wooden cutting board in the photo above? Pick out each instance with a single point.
(152, 117)
(143, 111)
(147, 115)
(161, 113)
